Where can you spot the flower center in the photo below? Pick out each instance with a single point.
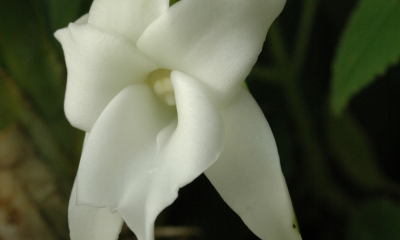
(161, 83)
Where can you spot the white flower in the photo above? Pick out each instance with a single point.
(129, 62)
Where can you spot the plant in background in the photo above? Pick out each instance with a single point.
(158, 90)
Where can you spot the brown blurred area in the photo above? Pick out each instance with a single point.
(31, 205)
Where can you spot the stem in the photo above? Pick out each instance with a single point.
(315, 162)
(288, 75)
(304, 34)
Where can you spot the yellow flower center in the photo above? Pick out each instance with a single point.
(161, 83)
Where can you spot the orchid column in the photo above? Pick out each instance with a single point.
(158, 91)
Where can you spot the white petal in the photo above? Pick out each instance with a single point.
(82, 20)
(132, 166)
(119, 150)
(216, 42)
(248, 174)
(91, 223)
(124, 133)
(99, 65)
(128, 18)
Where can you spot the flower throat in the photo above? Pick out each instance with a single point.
(160, 82)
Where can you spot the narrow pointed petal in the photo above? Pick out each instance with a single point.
(248, 175)
(216, 42)
(129, 18)
(135, 163)
(91, 223)
(100, 65)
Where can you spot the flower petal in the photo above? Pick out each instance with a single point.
(248, 174)
(91, 223)
(100, 65)
(82, 20)
(119, 150)
(133, 166)
(128, 18)
(217, 42)
(123, 134)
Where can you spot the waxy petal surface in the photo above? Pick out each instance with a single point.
(217, 42)
(248, 174)
(100, 64)
(92, 223)
(134, 162)
(129, 18)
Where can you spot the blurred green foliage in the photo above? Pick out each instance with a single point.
(29, 58)
(8, 105)
(60, 12)
(340, 168)
(350, 146)
(375, 219)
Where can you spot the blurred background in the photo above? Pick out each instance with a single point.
(327, 81)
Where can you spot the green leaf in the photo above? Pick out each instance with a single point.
(29, 57)
(376, 219)
(349, 144)
(369, 46)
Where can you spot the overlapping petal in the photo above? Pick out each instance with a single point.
(136, 159)
(248, 174)
(121, 138)
(129, 18)
(216, 42)
(91, 223)
(100, 64)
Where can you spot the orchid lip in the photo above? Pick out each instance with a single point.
(161, 84)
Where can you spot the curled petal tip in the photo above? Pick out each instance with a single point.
(59, 34)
